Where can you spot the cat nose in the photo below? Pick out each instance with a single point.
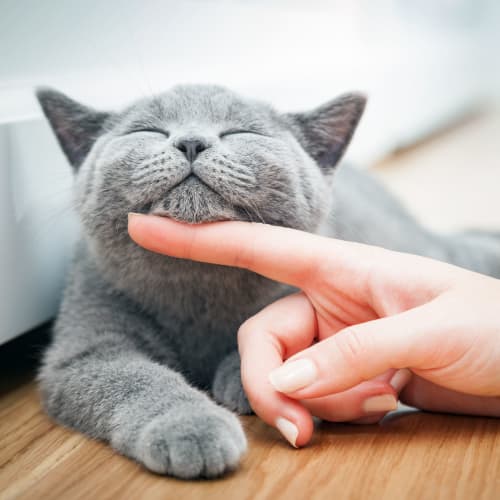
(191, 148)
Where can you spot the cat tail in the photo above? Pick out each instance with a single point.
(475, 250)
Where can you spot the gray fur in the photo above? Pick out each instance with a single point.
(140, 337)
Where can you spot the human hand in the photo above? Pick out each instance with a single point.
(371, 311)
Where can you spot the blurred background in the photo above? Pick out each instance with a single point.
(430, 68)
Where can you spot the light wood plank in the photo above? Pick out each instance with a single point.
(451, 182)
(410, 455)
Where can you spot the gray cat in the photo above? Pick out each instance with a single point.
(141, 338)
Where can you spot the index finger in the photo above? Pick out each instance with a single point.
(282, 254)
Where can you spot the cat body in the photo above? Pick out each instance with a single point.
(141, 339)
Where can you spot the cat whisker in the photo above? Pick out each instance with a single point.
(256, 211)
(277, 192)
(139, 176)
(249, 215)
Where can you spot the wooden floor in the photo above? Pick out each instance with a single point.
(409, 455)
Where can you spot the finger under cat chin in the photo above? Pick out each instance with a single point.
(260, 248)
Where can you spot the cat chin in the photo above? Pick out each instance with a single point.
(193, 218)
(195, 202)
(184, 214)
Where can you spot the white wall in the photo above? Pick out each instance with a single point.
(36, 226)
(421, 62)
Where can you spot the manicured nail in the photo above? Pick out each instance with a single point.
(294, 375)
(289, 430)
(133, 214)
(380, 404)
(400, 379)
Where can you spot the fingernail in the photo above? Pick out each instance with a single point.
(133, 214)
(294, 375)
(400, 379)
(380, 404)
(289, 430)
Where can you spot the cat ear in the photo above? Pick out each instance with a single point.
(76, 126)
(325, 132)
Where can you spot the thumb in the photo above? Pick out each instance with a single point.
(359, 353)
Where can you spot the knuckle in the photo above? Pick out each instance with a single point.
(245, 329)
(257, 402)
(244, 257)
(256, 397)
(190, 245)
(352, 345)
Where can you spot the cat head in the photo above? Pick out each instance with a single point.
(201, 153)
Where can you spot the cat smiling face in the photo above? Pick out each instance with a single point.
(201, 153)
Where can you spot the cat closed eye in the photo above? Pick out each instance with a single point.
(238, 131)
(150, 131)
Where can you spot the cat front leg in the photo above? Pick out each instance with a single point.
(110, 373)
(227, 388)
(146, 411)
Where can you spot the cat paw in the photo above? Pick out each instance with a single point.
(194, 443)
(227, 388)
